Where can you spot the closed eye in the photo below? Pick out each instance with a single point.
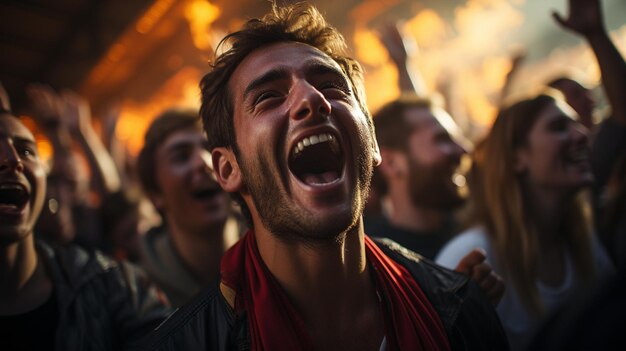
(264, 96)
(335, 89)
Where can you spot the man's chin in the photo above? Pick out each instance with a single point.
(313, 231)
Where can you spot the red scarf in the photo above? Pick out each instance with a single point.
(411, 322)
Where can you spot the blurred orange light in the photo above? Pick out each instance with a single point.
(201, 14)
(152, 16)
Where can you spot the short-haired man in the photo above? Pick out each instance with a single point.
(183, 254)
(290, 134)
(422, 149)
(58, 299)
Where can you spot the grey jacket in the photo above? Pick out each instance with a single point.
(103, 304)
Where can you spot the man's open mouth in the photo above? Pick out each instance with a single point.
(13, 197)
(317, 159)
(579, 156)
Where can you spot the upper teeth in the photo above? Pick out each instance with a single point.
(312, 140)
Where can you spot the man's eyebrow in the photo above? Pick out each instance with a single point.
(269, 76)
(182, 144)
(319, 68)
(24, 140)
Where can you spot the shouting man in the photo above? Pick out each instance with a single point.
(59, 298)
(292, 139)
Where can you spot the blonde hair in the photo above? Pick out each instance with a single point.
(499, 205)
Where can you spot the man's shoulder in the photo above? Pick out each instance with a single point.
(423, 269)
(467, 315)
(75, 262)
(204, 323)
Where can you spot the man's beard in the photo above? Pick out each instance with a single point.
(431, 187)
(292, 224)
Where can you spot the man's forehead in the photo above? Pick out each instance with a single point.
(183, 136)
(282, 55)
(433, 118)
(10, 126)
(421, 117)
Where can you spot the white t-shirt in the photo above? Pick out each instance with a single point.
(517, 322)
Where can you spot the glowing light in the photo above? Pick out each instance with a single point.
(428, 28)
(468, 54)
(369, 48)
(382, 75)
(116, 52)
(153, 15)
(201, 14)
(459, 180)
(181, 90)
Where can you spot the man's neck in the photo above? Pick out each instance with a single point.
(24, 284)
(329, 285)
(202, 251)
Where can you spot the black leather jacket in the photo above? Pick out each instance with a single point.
(102, 304)
(208, 323)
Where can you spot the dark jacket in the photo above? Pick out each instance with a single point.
(208, 323)
(102, 304)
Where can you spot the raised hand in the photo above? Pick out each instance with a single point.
(401, 49)
(585, 17)
(47, 106)
(5, 103)
(77, 113)
(398, 47)
(474, 264)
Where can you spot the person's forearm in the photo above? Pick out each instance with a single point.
(613, 70)
(410, 81)
(100, 161)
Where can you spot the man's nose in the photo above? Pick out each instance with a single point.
(308, 102)
(10, 160)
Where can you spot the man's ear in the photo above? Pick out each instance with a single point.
(377, 158)
(226, 168)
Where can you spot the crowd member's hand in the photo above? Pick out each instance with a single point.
(401, 50)
(585, 17)
(398, 47)
(5, 103)
(46, 104)
(474, 265)
(110, 120)
(77, 113)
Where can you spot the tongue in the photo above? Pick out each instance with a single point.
(320, 178)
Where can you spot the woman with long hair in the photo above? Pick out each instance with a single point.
(530, 213)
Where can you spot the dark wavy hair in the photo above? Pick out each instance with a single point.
(164, 125)
(301, 23)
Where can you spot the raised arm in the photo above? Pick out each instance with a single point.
(585, 19)
(78, 119)
(400, 50)
(47, 110)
